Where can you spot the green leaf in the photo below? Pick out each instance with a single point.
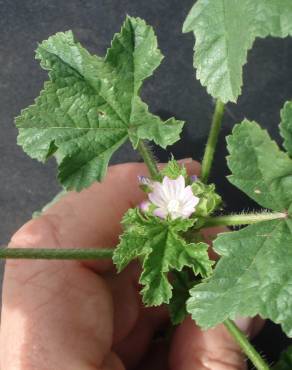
(133, 241)
(177, 306)
(252, 277)
(285, 361)
(258, 166)
(225, 31)
(160, 245)
(91, 105)
(286, 126)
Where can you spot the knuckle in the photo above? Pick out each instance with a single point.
(224, 359)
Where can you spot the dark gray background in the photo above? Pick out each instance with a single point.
(26, 185)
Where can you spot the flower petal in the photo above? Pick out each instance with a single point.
(144, 206)
(157, 196)
(160, 212)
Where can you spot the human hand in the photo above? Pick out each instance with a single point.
(80, 315)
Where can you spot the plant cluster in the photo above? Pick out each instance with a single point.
(91, 105)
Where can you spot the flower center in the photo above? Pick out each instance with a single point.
(173, 206)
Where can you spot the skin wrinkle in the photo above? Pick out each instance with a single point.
(228, 357)
(31, 278)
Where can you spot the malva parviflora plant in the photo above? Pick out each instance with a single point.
(90, 106)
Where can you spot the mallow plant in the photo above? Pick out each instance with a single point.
(91, 105)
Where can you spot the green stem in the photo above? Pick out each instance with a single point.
(55, 254)
(149, 160)
(243, 219)
(212, 140)
(246, 346)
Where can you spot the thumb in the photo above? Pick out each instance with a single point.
(195, 349)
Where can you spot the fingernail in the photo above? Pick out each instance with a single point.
(244, 324)
(185, 160)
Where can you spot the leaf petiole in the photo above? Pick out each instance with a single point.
(212, 140)
(246, 346)
(244, 219)
(149, 160)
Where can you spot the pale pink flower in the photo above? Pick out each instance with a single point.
(173, 198)
(144, 206)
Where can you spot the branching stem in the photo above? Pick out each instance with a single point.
(212, 141)
(149, 160)
(243, 219)
(55, 254)
(246, 346)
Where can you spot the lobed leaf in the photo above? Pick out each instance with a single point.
(225, 31)
(259, 168)
(162, 249)
(252, 277)
(90, 106)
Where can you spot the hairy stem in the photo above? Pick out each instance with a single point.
(55, 254)
(246, 346)
(243, 219)
(149, 160)
(212, 141)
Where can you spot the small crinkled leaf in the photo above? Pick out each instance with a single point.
(90, 106)
(225, 31)
(161, 247)
(181, 284)
(173, 170)
(286, 126)
(259, 168)
(285, 361)
(253, 277)
(170, 252)
(132, 241)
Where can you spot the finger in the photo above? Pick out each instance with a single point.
(92, 217)
(38, 293)
(209, 234)
(51, 313)
(194, 349)
(132, 349)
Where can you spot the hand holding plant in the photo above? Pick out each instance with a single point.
(82, 314)
(89, 107)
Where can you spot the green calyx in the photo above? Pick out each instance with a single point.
(210, 201)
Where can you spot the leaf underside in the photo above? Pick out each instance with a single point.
(225, 30)
(91, 105)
